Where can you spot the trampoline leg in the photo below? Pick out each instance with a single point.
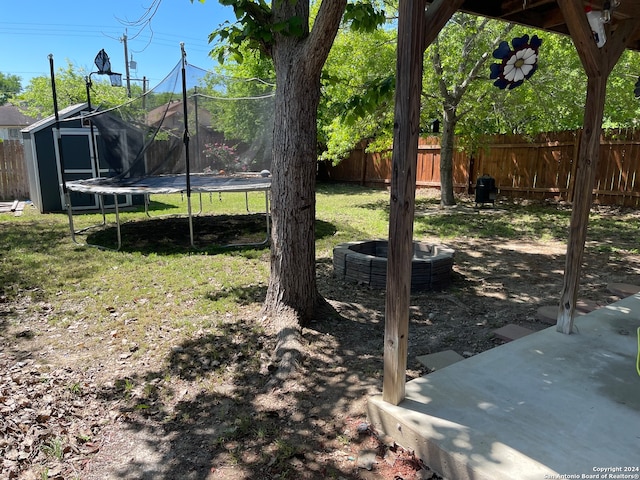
(115, 201)
(67, 199)
(246, 201)
(200, 194)
(190, 221)
(104, 214)
(266, 214)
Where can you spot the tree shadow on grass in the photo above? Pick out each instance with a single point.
(38, 256)
(244, 295)
(212, 234)
(209, 408)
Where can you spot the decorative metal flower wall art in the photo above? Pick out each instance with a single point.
(518, 64)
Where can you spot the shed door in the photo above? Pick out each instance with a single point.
(79, 164)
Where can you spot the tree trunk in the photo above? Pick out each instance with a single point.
(292, 295)
(447, 198)
(292, 283)
(298, 62)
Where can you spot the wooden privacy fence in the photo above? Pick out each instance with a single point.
(374, 169)
(524, 167)
(14, 184)
(536, 168)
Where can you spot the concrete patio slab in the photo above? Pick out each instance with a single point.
(540, 407)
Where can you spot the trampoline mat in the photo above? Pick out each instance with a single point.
(165, 184)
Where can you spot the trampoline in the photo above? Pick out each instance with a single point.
(167, 184)
(171, 184)
(195, 132)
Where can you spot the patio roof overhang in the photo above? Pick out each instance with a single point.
(547, 15)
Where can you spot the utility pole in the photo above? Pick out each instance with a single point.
(126, 64)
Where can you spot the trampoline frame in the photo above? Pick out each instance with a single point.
(165, 185)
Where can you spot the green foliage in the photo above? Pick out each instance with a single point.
(456, 73)
(357, 92)
(363, 16)
(71, 89)
(255, 28)
(9, 87)
(358, 105)
(355, 97)
(249, 117)
(551, 100)
(54, 448)
(622, 109)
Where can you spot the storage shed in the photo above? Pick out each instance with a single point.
(45, 162)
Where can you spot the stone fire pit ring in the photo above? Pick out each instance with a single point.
(365, 262)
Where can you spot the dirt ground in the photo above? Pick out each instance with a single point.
(159, 417)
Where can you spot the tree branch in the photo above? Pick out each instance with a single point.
(473, 73)
(437, 66)
(325, 28)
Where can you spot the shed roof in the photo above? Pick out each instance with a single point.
(50, 120)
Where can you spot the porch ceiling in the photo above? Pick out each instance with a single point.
(546, 14)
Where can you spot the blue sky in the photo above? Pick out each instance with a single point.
(77, 30)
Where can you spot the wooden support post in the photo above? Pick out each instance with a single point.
(411, 25)
(598, 63)
(414, 28)
(574, 166)
(588, 151)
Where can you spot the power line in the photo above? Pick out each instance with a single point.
(35, 29)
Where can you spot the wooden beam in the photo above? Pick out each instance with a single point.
(580, 31)
(618, 40)
(598, 63)
(410, 49)
(588, 152)
(416, 31)
(512, 7)
(574, 167)
(552, 20)
(438, 14)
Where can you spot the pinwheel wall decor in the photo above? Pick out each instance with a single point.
(518, 64)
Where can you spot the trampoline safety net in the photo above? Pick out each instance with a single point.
(193, 122)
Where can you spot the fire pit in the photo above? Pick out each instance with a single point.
(366, 262)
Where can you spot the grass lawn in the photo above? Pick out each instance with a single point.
(153, 361)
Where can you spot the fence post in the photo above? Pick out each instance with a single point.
(363, 158)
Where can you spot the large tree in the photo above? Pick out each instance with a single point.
(71, 89)
(457, 89)
(9, 87)
(458, 58)
(357, 93)
(283, 31)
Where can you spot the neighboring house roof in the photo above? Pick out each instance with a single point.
(168, 110)
(11, 117)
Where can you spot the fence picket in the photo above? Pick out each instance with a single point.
(13, 176)
(537, 168)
